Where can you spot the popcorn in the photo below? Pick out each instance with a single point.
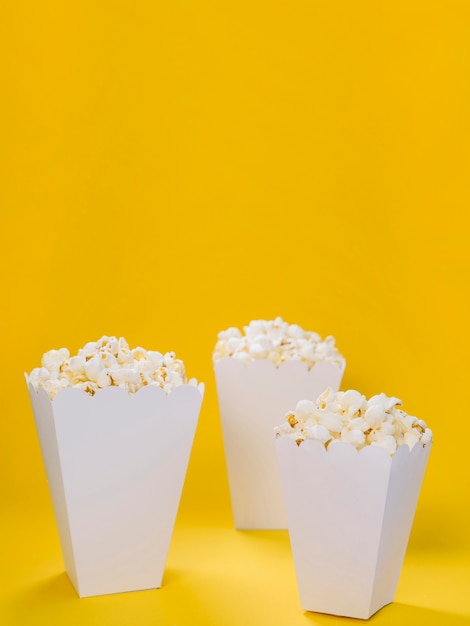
(349, 416)
(319, 432)
(278, 341)
(93, 368)
(108, 362)
(54, 358)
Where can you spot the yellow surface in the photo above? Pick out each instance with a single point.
(171, 169)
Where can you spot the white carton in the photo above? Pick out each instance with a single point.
(349, 517)
(115, 463)
(253, 399)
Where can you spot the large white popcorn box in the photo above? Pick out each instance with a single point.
(115, 463)
(253, 399)
(349, 517)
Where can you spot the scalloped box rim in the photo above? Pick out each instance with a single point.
(284, 364)
(199, 386)
(345, 445)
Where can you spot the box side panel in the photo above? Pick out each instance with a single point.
(404, 486)
(253, 399)
(334, 504)
(124, 463)
(45, 426)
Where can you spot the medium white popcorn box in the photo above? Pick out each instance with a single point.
(253, 399)
(115, 463)
(349, 517)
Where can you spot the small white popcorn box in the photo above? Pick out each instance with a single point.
(349, 517)
(115, 463)
(253, 399)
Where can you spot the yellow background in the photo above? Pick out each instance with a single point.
(169, 169)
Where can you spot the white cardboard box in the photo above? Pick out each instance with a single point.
(115, 463)
(349, 518)
(253, 399)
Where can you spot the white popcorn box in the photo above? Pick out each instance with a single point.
(253, 399)
(115, 463)
(349, 517)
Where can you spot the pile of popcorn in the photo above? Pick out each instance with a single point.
(349, 416)
(108, 362)
(278, 341)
